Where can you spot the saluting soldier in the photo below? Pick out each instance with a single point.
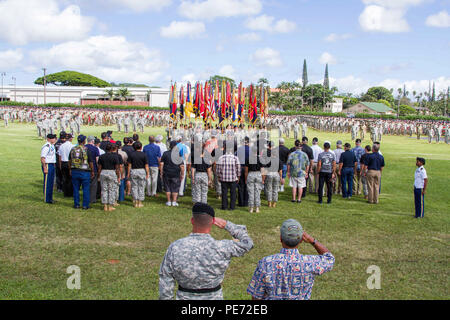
(48, 161)
(198, 262)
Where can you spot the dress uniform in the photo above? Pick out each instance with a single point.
(198, 262)
(420, 184)
(48, 161)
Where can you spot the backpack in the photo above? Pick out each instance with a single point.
(79, 158)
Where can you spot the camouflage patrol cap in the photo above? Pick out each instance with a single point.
(202, 208)
(291, 232)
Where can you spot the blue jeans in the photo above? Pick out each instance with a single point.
(122, 190)
(347, 181)
(49, 179)
(81, 178)
(284, 171)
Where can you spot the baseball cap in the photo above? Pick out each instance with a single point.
(202, 208)
(291, 232)
(339, 143)
(81, 138)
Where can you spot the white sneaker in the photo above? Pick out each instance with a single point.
(169, 204)
(175, 204)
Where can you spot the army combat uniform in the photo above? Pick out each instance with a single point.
(198, 264)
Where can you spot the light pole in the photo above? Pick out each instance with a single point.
(45, 84)
(2, 74)
(15, 93)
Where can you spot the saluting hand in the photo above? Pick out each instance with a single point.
(220, 223)
(307, 238)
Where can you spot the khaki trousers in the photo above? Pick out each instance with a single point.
(373, 184)
(357, 183)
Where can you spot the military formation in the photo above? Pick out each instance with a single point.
(51, 121)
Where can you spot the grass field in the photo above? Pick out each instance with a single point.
(38, 241)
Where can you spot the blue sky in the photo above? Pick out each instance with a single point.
(365, 42)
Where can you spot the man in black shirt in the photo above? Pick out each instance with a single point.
(347, 169)
(172, 173)
(138, 174)
(109, 172)
(283, 153)
(309, 152)
(59, 177)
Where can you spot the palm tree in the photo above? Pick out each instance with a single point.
(148, 95)
(123, 94)
(110, 93)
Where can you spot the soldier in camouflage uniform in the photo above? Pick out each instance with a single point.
(201, 174)
(198, 262)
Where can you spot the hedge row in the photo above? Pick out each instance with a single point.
(394, 117)
(289, 113)
(309, 113)
(71, 105)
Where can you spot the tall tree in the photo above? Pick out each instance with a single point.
(305, 74)
(326, 82)
(433, 95)
(72, 79)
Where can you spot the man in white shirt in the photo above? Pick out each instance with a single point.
(48, 161)
(316, 151)
(63, 152)
(420, 186)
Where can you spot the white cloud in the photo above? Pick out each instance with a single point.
(439, 20)
(284, 26)
(249, 37)
(267, 57)
(25, 21)
(350, 84)
(334, 37)
(111, 58)
(327, 58)
(357, 85)
(442, 83)
(395, 3)
(143, 5)
(267, 23)
(212, 9)
(386, 15)
(10, 59)
(180, 29)
(381, 19)
(227, 71)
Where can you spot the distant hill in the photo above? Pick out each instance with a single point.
(129, 85)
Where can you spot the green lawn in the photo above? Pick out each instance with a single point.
(38, 241)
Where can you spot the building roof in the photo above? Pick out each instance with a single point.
(378, 107)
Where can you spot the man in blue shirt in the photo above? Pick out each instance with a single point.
(290, 275)
(347, 170)
(357, 181)
(153, 153)
(375, 164)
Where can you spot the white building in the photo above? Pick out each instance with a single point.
(153, 97)
(336, 106)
